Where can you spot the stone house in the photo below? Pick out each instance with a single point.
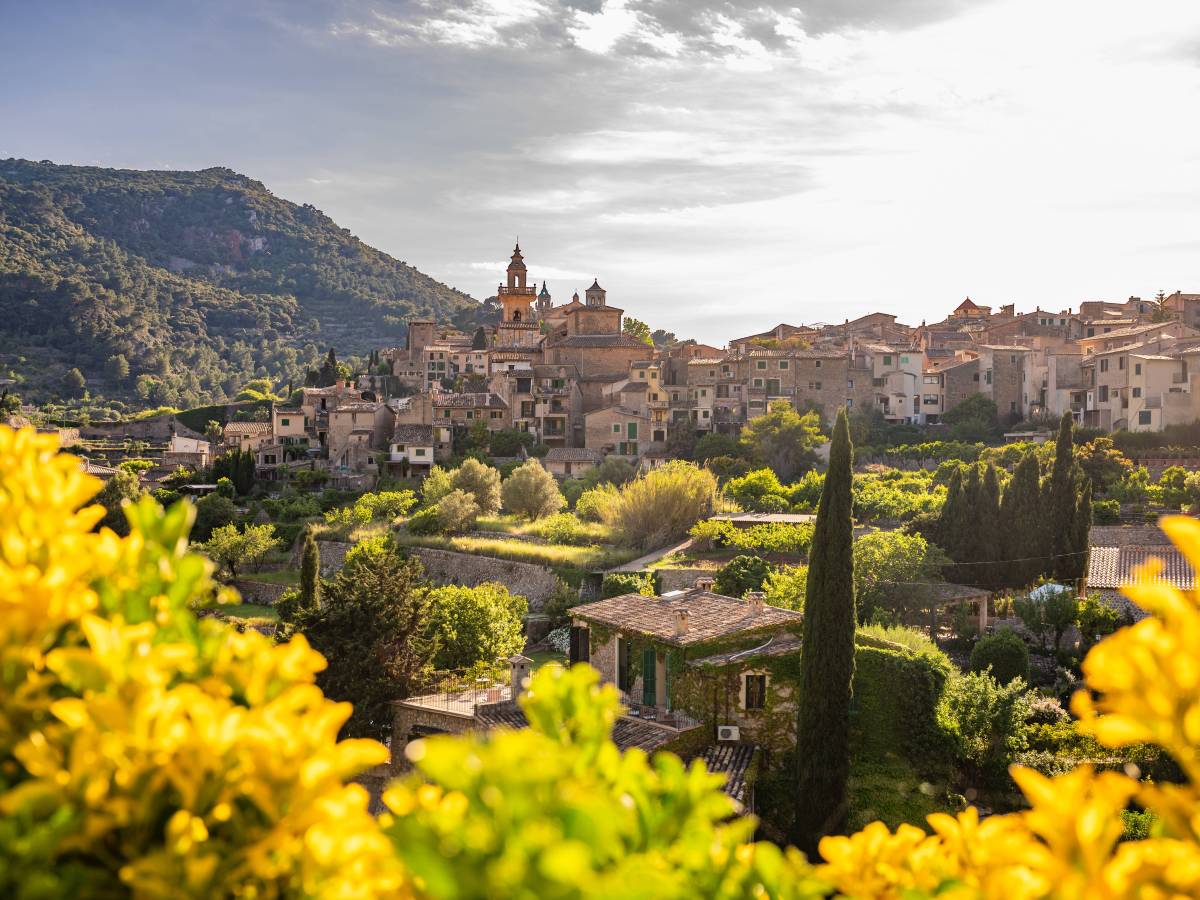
(359, 432)
(416, 448)
(697, 654)
(191, 453)
(243, 436)
(570, 462)
(896, 379)
(619, 430)
(464, 410)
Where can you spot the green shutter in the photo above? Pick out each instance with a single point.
(649, 672)
(631, 429)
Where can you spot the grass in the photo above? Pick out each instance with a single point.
(278, 576)
(251, 613)
(555, 556)
(545, 657)
(592, 532)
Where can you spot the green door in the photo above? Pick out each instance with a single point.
(649, 673)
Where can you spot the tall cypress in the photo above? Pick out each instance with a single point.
(827, 658)
(1061, 501)
(965, 526)
(987, 530)
(1076, 565)
(1022, 533)
(310, 571)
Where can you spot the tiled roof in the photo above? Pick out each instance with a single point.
(734, 761)
(92, 468)
(572, 454)
(623, 410)
(796, 354)
(600, 341)
(627, 732)
(636, 386)
(547, 370)
(709, 615)
(701, 361)
(356, 406)
(1112, 567)
(775, 645)
(247, 428)
(512, 355)
(413, 434)
(469, 401)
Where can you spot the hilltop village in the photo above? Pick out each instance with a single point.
(572, 377)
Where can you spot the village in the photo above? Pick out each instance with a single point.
(508, 463)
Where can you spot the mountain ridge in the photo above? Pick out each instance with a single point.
(176, 286)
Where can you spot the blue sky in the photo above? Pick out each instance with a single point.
(720, 166)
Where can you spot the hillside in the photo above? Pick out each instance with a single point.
(177, 287)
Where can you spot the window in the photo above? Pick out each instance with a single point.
(756, 691)
(1137, 368)
(616, 427)
(904, 360)
(1104, 393)
(930, 399)
(818, 364)
(1144, 417)
(887, 360)
(783, 364)
(758, 382)
(470, 413)
(1121, 363)
(762, 363)
(849, 403)
(850, 383)
(419, 451)
(1104, 365)
(494, 414)
(814, 385)
(703, 392)
(1137, 392)
(974, 376)
(641, 374)
(284, 422)
(988, 376)
(631, 430)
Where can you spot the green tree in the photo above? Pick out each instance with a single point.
(482, 482)
(456, 512)
(371, 625)
(974, 419)
(1022, 525)
(715, 444)
(117, 367)
(74, 383)
(225, 487)
(787, 587)
(988, 535)
(612, 470)
(1062, 495)
(892, 571)
(741, 575)
(121, 487)
(1095, 619)
(329, 372)
(472, 625)
(437, 484)
(758, 490)
(660, 506)
(1102, 463)
(532, 492)
(783, 439)
(310, 571)
(827, 657)
(1004, 654)
(212, 511)
(638, 329)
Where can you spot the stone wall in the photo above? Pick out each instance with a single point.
(409, 723)
(534, 583)
(259, 591)
(333, 554)
(681, 579)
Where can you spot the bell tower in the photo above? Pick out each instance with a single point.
(515, 297)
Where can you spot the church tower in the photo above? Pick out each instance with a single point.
(543, 301)
(595, 294)
(515, 297)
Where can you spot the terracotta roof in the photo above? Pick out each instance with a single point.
(92, 468)
(511, 355)
(700, 361)
(709, 615)
(413, 434)
(734, 762)
(775, 645)
(573, 454)
(1112, 567)
(247, 428)
(636, 386)
(600, 340)
(795, 354)
(356, 406)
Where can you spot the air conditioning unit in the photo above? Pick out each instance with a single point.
(728, 733)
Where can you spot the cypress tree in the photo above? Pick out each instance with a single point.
(987, 530)
(965, 526)
(1076, 564)
(1022, 524)
(827, 658)
(1061, 501)
(946, 534)
(310, 571)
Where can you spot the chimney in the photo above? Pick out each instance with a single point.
(757, 601)
(681, 622)
(704, 584)
(519, 667)
(340, 384)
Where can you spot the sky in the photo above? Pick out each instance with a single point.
(719, 165)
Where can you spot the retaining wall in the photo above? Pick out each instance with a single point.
(534, 583)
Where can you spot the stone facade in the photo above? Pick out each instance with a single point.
(535, 583)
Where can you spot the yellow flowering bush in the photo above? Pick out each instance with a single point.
(145, 752)
(1143, 687)
(142, 751)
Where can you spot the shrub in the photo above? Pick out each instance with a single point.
(437, 484)
(662, 505)
(752, 490)
(1004, 653)
(559, 640)
(805, 493)
(617, 583)
(597, 504)
(712, 534)
(425, 522)
(786, 587)
(987, 721)
(772, 537)
(562, 528)
(532, 492)
(456, 512)
(482, 482)
(1047, 711)
(212, 512)
(612, 470)
(1106, 512)
(742, 574)
(474, 625)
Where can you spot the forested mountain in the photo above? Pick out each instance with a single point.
(177, 287)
